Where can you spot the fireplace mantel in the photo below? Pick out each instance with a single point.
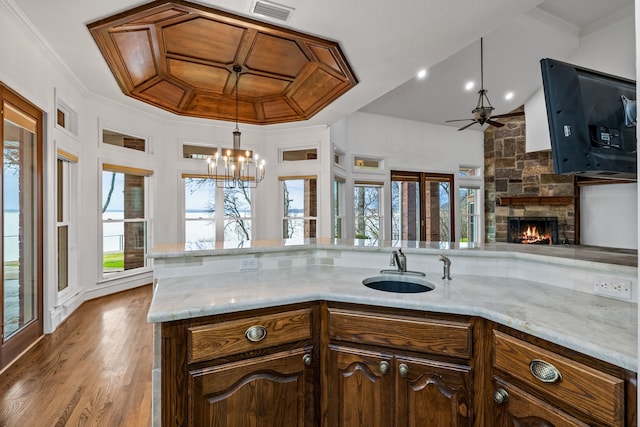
(535, 200)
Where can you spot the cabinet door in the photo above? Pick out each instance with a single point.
(268, 391)
(520, 409)
(432, 393)
(361, 388)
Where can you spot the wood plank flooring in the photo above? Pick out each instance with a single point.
(94, 370)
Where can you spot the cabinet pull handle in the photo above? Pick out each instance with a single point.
(256, 333)
(501, 396)
(306, 359)
(403, 370)
(384, 367)
(544, 371)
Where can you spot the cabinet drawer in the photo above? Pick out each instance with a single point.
(449, 338)
(253, 333)
(593, 392)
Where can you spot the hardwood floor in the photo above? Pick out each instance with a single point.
(94, 370)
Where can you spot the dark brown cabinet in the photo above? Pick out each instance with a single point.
(433, 393)
(537, 387)
(375, 379)
(361, 388)
(516, 407)
(255, 369)
(273, 390)
(348, 365)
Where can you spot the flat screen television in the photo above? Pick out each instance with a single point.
(592, 121)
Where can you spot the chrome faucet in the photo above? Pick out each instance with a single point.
(398, 259)
(446, 268)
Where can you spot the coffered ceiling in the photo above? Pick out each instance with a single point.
(181, 57)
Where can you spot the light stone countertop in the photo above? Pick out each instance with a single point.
(600, 327)
(563, 254)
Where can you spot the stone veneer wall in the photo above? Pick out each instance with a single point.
(510, 171)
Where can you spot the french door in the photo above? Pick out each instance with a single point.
(422, 206)
(21, 247)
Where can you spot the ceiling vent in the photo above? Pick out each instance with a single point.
(272, 10)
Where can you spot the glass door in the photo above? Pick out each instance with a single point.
(439, 224)
(21, 283)
(421, 206)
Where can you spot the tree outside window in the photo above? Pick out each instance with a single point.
(124, 222)
(368, 218)
(204, 223)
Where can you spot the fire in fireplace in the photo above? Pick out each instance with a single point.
(532, 230)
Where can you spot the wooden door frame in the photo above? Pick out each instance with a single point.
(29, 334)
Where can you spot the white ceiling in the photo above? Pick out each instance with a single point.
(386, 44)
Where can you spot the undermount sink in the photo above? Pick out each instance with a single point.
(399, 284)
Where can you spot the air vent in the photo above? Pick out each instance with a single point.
(272, 10)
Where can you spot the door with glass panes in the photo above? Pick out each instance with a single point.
(21, 195)
(422, 206)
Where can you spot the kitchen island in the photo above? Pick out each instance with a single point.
(546, 295)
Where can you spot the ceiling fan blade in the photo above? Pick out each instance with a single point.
(519, 113)
(459, 120)
(494, 123)
(466, 126)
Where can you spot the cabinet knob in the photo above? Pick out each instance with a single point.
(544, 371)
(306, 359)
(403, 370)
(256, 333)
(501, 396)
(384, 367)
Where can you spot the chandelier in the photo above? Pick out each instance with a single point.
(236, 168)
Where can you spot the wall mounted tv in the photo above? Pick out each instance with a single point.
(592, 121)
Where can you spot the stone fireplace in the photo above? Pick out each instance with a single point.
(522, 185)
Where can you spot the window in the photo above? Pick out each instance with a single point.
(470, 171)
(367, 208)
(297, 155)
(300, 210)
(66, 117)
(124, 218)
(205, 223)
(198, 152)
(338, 156)
(121, 140)
(470, 225)
(338, 206)
(65, 206)
(367, 163)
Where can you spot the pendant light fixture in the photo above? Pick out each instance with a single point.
(236, 168)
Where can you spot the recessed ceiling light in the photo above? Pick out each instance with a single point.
(422, 73)
(508, 96)
(469, 85)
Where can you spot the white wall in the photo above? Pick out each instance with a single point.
(400, 145)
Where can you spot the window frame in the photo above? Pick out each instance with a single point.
(220, 217)
(305, 218)
(69, 220)
(380, 185)
(146, 220)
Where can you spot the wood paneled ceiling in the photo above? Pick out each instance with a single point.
(179, 56)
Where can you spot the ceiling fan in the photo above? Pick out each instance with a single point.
(482, 112)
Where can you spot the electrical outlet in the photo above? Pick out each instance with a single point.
(615, 288)
(249, 263)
